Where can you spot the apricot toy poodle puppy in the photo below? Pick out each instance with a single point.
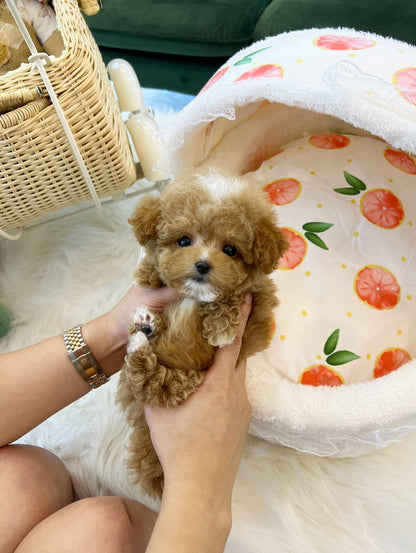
(212, 237)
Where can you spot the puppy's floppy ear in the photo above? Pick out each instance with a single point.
(145, 219)
(270, 244)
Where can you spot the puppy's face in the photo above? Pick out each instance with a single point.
(209, 241)
(202, 265)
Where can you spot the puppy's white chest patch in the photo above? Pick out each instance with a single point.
(183, 312)
(182, 323)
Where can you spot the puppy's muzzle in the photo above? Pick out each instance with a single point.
(202, 269)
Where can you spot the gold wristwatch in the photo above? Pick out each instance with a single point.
(82, 358)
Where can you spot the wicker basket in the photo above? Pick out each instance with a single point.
(39, 172)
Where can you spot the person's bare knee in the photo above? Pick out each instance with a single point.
(123, 525)
(94, 525)
(101, 522)
(33, 484)
(142, 520)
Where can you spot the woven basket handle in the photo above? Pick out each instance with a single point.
(90, 7)
(13, 100)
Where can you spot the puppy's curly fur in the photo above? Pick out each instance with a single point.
(213, 238)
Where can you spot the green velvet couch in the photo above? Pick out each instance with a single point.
(179, 44)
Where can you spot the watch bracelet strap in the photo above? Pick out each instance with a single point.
(82, 358)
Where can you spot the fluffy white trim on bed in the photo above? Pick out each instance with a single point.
(353, 86)
(343, 421)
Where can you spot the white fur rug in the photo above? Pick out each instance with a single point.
(69, 270)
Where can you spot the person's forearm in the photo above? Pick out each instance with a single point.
(38, 381)
(190, 521)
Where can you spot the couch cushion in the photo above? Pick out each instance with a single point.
(384, 17)
(186, 27)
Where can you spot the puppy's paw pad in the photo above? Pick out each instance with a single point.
(136, 341)
(143, 322)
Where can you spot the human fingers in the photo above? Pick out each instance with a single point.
(158, 298)
(120, 315)
(225, 358)
(153, 298)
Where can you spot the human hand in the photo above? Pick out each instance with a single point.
(155, 299)
(200, 442)
(107, 335)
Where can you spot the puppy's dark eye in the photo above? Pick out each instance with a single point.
(229, 250)
(184, 241)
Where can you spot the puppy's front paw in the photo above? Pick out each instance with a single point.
(220, 324)
(216, 337)
(136, 341)
(144, 324)
(223, 339)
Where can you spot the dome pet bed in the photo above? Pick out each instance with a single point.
(325, 121)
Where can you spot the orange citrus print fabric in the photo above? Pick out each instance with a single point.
(215, 78)
(329, 141)
(320, 375)
(346, 204)
(401, 160)
(266, 70)
(377, 287)
(405, 79)
(339, 42)
(296, 252)
(390, 360)
(283, 191)
(382, 208)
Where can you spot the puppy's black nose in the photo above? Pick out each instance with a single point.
(203, 267)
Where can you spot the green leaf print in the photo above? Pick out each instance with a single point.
(355, 182)
(243, 61)
(341, 357)
(317, 227)
(356, 185)
(248, 59)
(331, 343)
(315, 239)
(347, 191)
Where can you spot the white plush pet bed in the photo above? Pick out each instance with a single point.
(325, 121)
(285, 500)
